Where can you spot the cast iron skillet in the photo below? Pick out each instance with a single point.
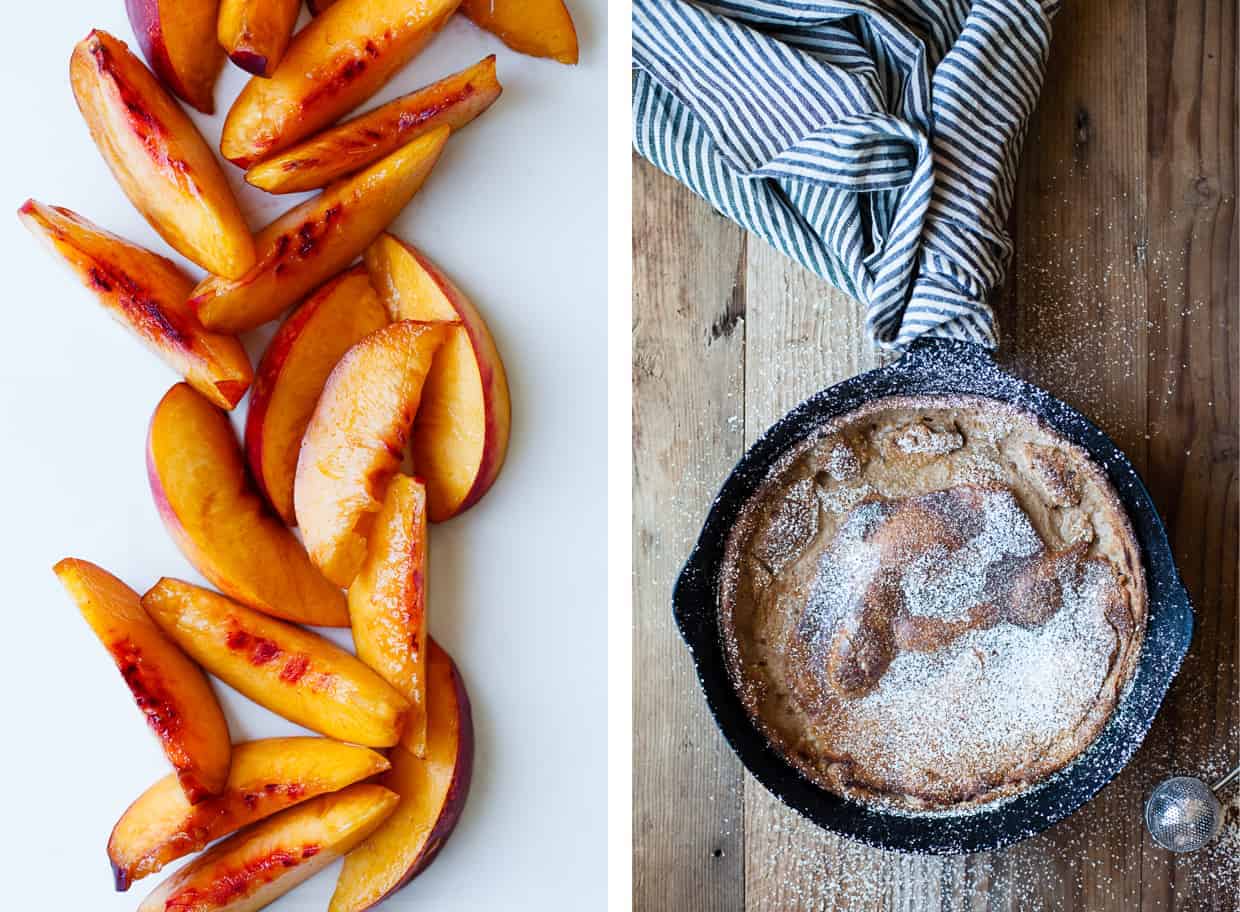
(937, 366)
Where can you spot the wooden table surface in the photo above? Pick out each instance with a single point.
(1122, 300)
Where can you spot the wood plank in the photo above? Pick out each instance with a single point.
(1191, 262)
(688, 350)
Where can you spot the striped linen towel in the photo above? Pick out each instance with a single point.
(873, 141)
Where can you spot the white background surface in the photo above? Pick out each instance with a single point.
(515, 213)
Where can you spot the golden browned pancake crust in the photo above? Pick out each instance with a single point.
(933, 603)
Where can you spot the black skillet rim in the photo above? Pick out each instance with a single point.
(939, 367)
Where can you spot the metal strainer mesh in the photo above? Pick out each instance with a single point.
(1183, 815)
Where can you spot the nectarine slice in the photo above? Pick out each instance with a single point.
(292, 373)
(255, 33)
(300, 675)
(177, 37)
(158, 157)
(334, 64)
(432, 795)
(355, 442)
(266, 776)
(220, 523)
(460, 435)
(387, 601)
(453, 101)
(254, 868)
(171, 691)
(148, 294)
(312, 242)
(540, 28)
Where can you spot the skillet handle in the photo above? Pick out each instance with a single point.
(929, 365)
(953, 351)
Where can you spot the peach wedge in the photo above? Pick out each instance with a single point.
(460, 435)
(454, 100)
(158, 157)
(255, 33)
(432, 795)
(540, 28)
(355, 441)
(334, 64)
(312, 242)
(220, 523)
(172, 692)
(177, 37)
(253, 868)
(300, 675)
(387, 602)
(148, 294)
(291, 375)
(267, 776)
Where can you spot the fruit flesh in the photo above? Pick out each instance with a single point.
(208, 504)
(355, 442)
(460, 434)
(146, 293)
(432, 796)
(387, 602)
(253, 868)
(541, 28)
(314, 241)
(292, 373)
(453, 101)
(267, 776)
(158, 157)
(297, 674)
(177, 38)
(172, 692)
(255, 33)
(334, 64)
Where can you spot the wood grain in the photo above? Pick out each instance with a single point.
(1123, 300)
(688, 421)
(1191, 262)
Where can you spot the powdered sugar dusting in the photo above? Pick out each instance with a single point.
(790, 526)
(843, 499)
(942, 583)
(918, 438)
(851, 559)
(985, 700)
(994, 694)
(842, 463)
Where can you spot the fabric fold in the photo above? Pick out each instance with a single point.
(874, 143)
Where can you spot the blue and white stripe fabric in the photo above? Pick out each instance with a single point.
(873, 141)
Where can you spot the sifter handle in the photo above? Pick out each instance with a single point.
(1222, 782)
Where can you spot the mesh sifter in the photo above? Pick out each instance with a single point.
(1183, 814)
